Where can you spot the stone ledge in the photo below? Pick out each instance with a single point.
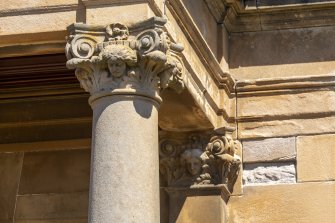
(286, 128)
(239, 17)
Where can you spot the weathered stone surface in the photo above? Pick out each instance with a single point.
(264, 54)
(198, 72)
(62, 171)
(269, 173)
(199, 209)
(204, 20)
(10, 169)
(238, 187)
(15, 5)
(52, 206)
(105, 15)
(317, 102)
(269, 150)
(316, 158)
(125, 167)
(280, 128)
(292, 203)
(185, 115)
(36, 23)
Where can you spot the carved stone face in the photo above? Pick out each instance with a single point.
(193, 165)
(116, 67)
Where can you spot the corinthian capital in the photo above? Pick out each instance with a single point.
(117, 59)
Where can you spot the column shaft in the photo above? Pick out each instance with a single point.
(124, 183)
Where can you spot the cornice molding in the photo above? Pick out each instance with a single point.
(223, 78)
(38, 10)
(248, 16)
(281, 85)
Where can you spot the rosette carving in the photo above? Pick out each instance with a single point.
(109, 59)
(197, 164)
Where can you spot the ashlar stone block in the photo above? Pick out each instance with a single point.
(43, 207)
(10, 168)
(290, 203)
(62, 171)
(269, 150)
(316, 157)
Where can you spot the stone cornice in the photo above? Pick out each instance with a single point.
(282, 85)
(243, 17)
(139, 60)
(184, 19)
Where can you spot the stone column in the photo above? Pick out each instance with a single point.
(124, 69)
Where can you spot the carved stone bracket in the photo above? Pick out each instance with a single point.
(200, 164)
(117, 59)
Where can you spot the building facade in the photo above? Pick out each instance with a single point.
(185, 111)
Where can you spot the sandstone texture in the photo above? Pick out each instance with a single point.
(255, 55)
(42, 207)
(269, 150)
(286, 128)
(316, 158)
(199, 209)
(287, 105)
(291, 203)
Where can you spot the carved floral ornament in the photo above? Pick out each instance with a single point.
(198, 164)
(110, 60)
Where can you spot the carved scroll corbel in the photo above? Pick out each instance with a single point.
(200, 164)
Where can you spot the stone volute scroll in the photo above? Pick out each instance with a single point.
(200, 163)
(117, 59)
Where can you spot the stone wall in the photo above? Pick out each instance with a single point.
(285, 115)
(44, 186)
(274, 83)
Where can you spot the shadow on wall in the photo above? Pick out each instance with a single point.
(182, 206)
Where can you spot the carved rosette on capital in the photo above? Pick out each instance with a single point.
(200, 165)
(121, 60)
